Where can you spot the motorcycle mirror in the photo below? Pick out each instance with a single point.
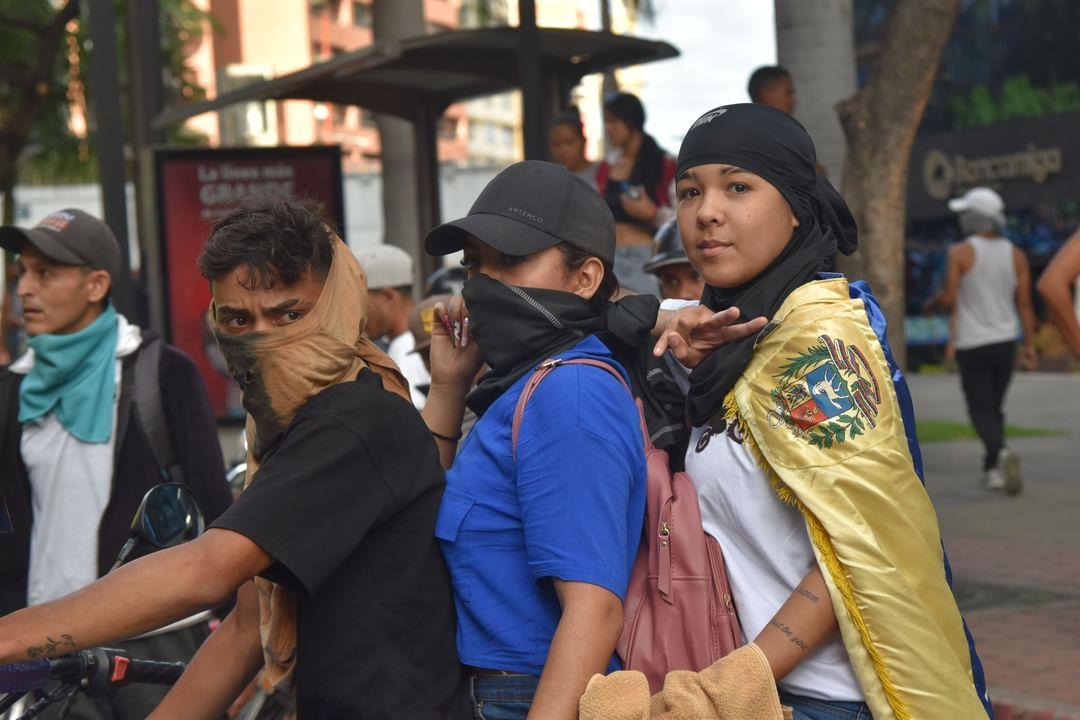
(167, 516)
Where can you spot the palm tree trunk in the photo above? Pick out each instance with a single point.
(816, 42)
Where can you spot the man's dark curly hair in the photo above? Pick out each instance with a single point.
(278, 240)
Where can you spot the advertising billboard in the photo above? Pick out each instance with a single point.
(195, 188)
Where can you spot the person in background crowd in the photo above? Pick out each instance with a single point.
(540, 529)
(421, 322)
(678, 278)
(350, 610)
(637, 180)
(1056, 288)
(389, 272)
(566, 142)
(803, 450)
(772, 85)
(988, 282)
(75, 453)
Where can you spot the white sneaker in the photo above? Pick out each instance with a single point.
(1008, 465)
(994, 480)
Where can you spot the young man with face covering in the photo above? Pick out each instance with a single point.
(350, 606)
(803, 449)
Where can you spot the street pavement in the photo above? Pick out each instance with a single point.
(1016, 560)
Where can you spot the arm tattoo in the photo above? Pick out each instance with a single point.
(807, 594)
(786, 629)
(66, 643)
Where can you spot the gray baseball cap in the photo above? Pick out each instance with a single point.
(70, 237)
(528, 207)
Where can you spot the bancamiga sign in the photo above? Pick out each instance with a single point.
(1029, 162)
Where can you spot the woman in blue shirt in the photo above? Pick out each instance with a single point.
(540, 536)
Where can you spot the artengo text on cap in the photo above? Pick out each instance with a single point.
(526, 213)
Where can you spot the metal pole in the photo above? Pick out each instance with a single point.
(427, 186)
(108, 131)
(609, 85)
(531, 72)
(147, 98)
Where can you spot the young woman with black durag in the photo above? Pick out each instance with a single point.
(803, 449)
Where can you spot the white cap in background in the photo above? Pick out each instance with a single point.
(981, 200)
(386, 266)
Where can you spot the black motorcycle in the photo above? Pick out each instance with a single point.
(167, 516)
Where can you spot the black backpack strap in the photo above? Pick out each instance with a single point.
(151, 410)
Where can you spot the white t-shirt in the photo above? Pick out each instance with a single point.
(767, 553)
(411, 365)
(766, 547)
(70, 485)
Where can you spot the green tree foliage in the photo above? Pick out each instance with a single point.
(44, 58)
(1018, 99)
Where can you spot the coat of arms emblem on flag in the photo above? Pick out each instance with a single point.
(827, 394)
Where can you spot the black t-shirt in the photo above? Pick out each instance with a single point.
(345, 503)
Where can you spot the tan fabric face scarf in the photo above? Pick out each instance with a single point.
(281, 370)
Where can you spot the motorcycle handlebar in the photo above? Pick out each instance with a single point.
(98, 670)
(155, 672)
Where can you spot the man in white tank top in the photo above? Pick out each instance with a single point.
(988, 285)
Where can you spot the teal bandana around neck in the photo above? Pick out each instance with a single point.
(75, 377)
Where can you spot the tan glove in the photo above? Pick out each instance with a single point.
(739, 686)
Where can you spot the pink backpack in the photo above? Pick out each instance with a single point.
(678, 613)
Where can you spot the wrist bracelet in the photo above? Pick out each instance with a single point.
(447, 438)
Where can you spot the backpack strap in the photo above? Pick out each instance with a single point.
(544, 369)
(151, 410)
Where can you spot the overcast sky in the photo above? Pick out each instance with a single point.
(721, 41)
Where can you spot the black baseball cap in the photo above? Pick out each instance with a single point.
(667, 248)
(70, 237)
(528, 207)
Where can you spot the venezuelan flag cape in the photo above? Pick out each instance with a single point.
(829, 418)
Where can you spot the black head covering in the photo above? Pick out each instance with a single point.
(772, 144)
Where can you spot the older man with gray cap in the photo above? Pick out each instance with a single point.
(94, 414)
(988, 284)
(389, 271)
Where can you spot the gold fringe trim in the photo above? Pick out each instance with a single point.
(823, 543)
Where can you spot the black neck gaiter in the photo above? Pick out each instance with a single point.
(517, 328)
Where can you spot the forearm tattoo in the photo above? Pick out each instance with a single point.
(66, 643)
(791, 636)
(807, 594)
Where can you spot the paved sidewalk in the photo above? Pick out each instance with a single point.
(1016, 560)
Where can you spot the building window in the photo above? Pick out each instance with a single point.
(362, 15)
(367, 118)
